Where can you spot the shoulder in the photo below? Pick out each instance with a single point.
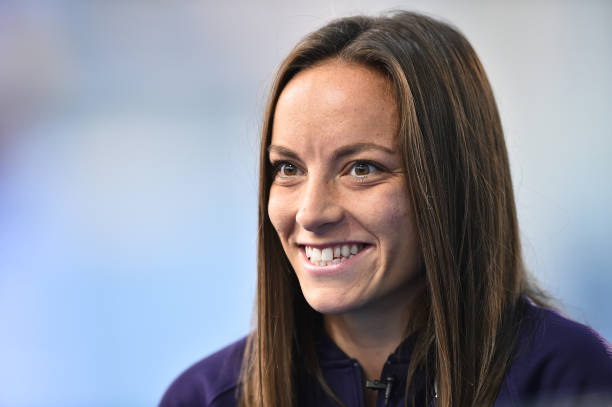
(209, 382)
(558, 360)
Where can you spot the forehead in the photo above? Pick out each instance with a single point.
(336, 102)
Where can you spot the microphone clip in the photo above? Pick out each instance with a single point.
(379, 385)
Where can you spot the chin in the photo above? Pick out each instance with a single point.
(328, 303)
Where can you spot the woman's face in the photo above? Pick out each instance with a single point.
(339, 200)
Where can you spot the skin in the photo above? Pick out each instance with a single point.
(321, 197)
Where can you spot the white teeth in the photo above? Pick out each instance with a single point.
(327, 254)
(331, 255)
(345, 250)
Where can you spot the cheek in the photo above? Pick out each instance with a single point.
(401, 216)
(385, 210)
(280, 213)
(388, 216)
(400, 213)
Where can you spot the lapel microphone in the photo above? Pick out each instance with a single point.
(379, 385)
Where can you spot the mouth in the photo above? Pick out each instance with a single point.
(322, 256)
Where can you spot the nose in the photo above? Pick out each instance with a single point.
(319, 207)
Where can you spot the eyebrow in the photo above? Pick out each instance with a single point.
(341, 152)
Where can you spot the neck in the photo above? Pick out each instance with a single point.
(371, 334)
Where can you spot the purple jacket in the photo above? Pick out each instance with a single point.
(557, 363)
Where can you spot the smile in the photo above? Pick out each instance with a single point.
(326, 256)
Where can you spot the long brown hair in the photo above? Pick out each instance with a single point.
(457, 168)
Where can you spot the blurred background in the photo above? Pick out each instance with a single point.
(128, 174)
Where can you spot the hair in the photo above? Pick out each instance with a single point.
(457, 170)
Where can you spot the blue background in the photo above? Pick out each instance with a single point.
(128, 144)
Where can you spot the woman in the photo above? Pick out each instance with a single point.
(389, 264)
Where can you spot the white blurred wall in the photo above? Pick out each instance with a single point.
(128, 144)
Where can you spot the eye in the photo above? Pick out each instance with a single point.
(286, 169)
(362, 169)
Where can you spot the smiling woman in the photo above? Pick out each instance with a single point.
(389, 264)
(343, 212)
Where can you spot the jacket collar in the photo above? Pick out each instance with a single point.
(329, 352)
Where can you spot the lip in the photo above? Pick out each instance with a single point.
(332, 269)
